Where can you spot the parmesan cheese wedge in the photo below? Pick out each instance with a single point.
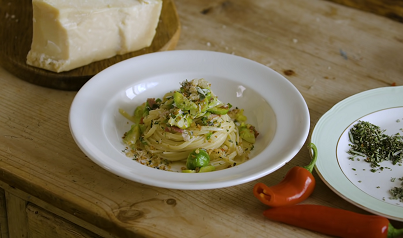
(68, 34)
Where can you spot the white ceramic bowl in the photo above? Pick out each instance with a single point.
(271, 103)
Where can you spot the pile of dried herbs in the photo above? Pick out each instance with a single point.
(369, 141)
(397, 192)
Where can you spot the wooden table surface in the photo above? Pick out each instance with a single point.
(328, 51)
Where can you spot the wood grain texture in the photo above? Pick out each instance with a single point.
(392, 9)
(42, 223)
(70, 217)
(16, 38)
(17, 219)
(333, 51)
(3, 215)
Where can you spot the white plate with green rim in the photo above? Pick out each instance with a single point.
(353, 180)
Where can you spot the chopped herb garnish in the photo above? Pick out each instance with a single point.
(396, 193)
(142, 140)
(369, 141)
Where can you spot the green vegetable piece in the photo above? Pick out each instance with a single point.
(205, 102)
(247, 134)
(183, 103)
(188, 171)
(132, 135)
(181, 121)
(240, 117)
(203, 92)
(220, 110)
(142, 128)
(205, 169)
(197, 159)
(214, 102)
(139, 113)
(168, 104)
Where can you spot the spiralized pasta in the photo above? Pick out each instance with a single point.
(191, 118)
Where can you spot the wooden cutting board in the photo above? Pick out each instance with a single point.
(16, 38)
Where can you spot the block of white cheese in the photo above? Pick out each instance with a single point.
(72, 33)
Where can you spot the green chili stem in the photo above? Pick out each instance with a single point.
(393, 232)
(314, 156)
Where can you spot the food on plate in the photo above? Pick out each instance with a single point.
(333, 221)
(71, 34)
(190, 125)
(297, 185)
(397, 192)
(370, 141)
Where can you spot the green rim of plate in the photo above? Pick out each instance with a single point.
(327, 133)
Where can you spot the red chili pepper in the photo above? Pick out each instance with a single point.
(297, 185)
(333, 221)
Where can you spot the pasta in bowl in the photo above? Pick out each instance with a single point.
(274, 108)
(187, 124)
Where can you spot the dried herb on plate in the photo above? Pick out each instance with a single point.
(369, 141)
(397, 192)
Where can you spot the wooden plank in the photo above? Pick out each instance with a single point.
(56, 211)
(16, 216)
(16, 38)
(42, 223)
(3, 215)
(392, 9)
